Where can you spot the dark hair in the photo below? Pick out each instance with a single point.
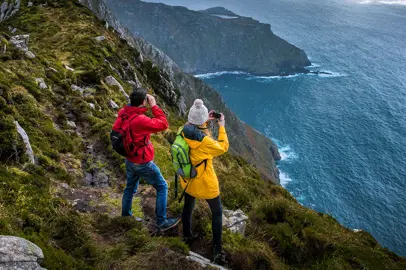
(138, 96)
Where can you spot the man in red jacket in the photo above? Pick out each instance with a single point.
(141, 164)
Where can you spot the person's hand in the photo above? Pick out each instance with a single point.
(151, 100)
(211, 118)
(222, 121)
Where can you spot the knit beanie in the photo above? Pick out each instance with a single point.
(198, 114)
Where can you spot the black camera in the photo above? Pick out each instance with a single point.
(216, 115)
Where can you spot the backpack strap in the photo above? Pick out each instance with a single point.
(187, 185)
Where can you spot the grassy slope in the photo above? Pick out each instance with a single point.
(281, 234)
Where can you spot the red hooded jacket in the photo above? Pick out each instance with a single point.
(141, 128)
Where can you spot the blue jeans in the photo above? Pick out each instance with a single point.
(150, 173)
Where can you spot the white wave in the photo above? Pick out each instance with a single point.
(331, 74)
(384, 2)
(269, 78)
(314, 65)
(284, 178)
(287, 153)
(325, 74)
(216, 74)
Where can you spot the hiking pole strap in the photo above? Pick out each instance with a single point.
(176, 185)
(184, 191)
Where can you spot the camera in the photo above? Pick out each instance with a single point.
(216, 115)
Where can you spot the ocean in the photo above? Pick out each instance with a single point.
(342, 136)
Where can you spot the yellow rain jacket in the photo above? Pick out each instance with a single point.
(202, 147)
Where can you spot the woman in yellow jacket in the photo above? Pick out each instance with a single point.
(203, 148)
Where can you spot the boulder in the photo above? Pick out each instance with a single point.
(235, 221)
(18, 253)
(41, 83)
(30, 4)
(110, 80)
(113, 104)
(21, 43)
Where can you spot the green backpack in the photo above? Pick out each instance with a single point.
(181, 161)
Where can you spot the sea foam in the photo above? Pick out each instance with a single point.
(384, 2)
(220, 73)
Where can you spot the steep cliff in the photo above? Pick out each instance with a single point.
(211, 40)
(244, 140)
(61, 182)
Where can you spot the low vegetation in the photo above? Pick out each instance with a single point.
(281, 234)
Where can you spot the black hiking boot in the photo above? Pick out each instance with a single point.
(169, 223)
(189, 240)
(218, 256)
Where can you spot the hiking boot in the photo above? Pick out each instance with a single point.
(190, 239)
(218, 256)
(168, 224)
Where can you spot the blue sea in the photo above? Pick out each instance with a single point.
(342, 136)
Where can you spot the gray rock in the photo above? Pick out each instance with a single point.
(41, 83)
(30, 54)
(12, 29)
(101, 179)
(18, 253)
(30, 4)
(110, 80)
(20, 41)
(204, 262)
(100, 38)
(4, 7)
(74, 87)
(235, 221)
(92, 106)
(26, 141)
(113, 104)
(71, 124)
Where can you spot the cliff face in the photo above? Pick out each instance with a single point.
(243, 140)
(211, 40)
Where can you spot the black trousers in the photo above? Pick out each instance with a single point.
(216, 219)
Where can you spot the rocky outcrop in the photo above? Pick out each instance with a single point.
(203, 262)
(235, 221)
(21, 43)
(110, 80)
(8, 9)
(244, 141)
(18, 253)
(212, 40)
(26, 140)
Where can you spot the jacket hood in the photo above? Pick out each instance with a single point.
(193, 136)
